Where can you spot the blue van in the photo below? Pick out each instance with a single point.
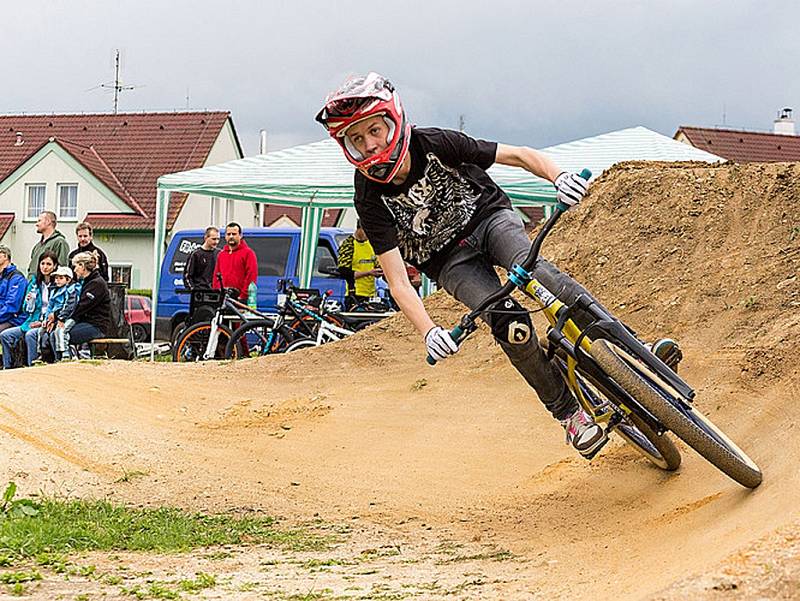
(277, 251)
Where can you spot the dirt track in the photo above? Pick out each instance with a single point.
(463, 454)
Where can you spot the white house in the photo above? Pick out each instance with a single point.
(102, 168)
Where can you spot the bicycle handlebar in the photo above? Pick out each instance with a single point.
(467, 325)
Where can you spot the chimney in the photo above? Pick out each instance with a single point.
(19, 141)
(784, 124)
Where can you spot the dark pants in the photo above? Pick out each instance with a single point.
(469, 275)
(83, 332)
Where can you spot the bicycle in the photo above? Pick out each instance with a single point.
(207, 340)
(301, 312)
(615, 377)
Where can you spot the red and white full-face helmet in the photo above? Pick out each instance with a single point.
(357, 99)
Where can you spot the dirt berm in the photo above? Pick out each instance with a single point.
(463, 454)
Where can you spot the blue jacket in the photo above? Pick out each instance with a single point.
(12, 293)
(63, 301)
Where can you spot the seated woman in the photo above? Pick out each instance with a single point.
(92, 314)
(37, 297)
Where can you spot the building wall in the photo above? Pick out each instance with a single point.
(133, 249)
(122, 248)
(51, 170)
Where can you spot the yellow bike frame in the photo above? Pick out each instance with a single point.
(550, 306)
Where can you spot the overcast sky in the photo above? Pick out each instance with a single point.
(521, 72)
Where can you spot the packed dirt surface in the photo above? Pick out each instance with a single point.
(454, 480)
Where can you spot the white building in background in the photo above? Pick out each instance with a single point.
(102, 168)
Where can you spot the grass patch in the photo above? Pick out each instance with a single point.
(497, 555)
(67, 526)
(128, 476)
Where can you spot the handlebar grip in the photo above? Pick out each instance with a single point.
(456, 334)
(586, 174)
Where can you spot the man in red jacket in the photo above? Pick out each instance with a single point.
(236, 262)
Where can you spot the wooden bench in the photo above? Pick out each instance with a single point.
(120, 347)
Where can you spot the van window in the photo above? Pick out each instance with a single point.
(182, 252)
(272, 253)
(325, 257)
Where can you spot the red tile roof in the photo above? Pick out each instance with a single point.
(743, 146)
(128, 152)
(274, 212)
(6, 219)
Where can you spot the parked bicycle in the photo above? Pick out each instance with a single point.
(302, 314)
(209, 339)
(616, 378)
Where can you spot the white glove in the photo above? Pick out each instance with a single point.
(570, 188)
(440, 344)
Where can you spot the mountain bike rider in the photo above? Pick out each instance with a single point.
(423, 196)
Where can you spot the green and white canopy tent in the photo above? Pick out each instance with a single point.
(316, 176)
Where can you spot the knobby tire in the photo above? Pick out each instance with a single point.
(689, 425)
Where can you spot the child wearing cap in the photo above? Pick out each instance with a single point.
(57, 322)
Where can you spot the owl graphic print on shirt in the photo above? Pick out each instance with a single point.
(433, 211)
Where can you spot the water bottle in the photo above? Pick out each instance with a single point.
(252, 296)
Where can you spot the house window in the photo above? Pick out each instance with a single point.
(35, 194)
(68, 201)
(121, 274)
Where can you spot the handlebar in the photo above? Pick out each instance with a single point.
(467, 325)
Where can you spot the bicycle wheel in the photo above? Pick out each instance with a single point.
(301, 344)
(191, 345)
(261, 337)
(660, 450)
(685, 421)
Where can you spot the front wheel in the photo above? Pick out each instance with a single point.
(192, 343)
(685, 421)
(260, 336)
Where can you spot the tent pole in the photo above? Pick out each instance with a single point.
(309, 236)
(159, 226)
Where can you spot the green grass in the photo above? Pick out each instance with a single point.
(70, 526)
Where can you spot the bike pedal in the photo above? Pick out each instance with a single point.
(589, 455)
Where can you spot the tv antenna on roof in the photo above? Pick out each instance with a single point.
(117, 85)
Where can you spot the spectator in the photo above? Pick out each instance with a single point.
(51, 240)
(359, 266)
(236, 263)
(54, 333)
(199, 270)
(92, 315)
(85, 235)
(12, 291)
(37, 298)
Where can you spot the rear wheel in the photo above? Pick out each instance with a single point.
(685, 421)
(140, 332)
(192, 343)
(660, 450)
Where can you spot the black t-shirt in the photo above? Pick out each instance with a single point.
(199, 269)
(446, 195)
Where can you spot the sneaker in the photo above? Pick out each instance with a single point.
(583, 434)
(668, 351)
